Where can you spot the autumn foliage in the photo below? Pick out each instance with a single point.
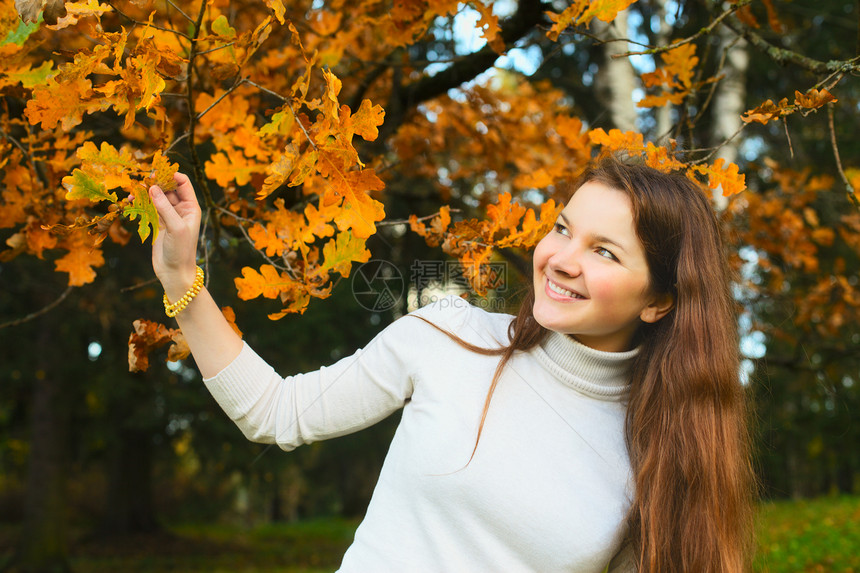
(277, 111)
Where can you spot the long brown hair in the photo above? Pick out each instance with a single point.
(686, 425)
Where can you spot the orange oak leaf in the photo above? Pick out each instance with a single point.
(359, 211)
(617, 140)
(148, 336)
(561, 21)
(161, 172)
(82, 258)
(768, 111)
(489, 23)
(605, 10)
(728, 178)
(63, 104)
(813, 99)
(367, 119)
(661, 158)
(267, 283)
(106, 164)
(674, 78)
(230, 315)
(436, 233)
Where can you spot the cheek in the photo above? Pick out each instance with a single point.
(540, 256)
(619, 292)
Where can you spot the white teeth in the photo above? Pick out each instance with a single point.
(555, 288)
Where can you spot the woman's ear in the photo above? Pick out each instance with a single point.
(658, 308)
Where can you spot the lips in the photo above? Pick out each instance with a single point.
(558, 292)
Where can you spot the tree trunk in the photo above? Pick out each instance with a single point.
(663, 113)
(43, 544)
(616, 78)
(130, 506)
(729, 100)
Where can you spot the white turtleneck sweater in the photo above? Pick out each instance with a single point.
(549, 484)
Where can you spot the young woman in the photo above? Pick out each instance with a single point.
(602, 427)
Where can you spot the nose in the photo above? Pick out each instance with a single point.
(566, 262)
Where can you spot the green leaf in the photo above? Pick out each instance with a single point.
(281, 124)
(22, 32)
(31, 78)
(223, 28)
(80, 185)
(143, 207)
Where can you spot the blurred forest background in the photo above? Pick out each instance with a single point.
(91, 454)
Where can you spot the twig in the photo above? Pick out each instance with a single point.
(718, 147)
(232, 88)
(251, 241)
(289, 106)
(39, 312)
(215, 49)
(788, 136)
(848, 186)
(139, 23)
(706, 30)
(406, 221)
(139, 285)
(192, 118)
(175, 141)
(178, 9)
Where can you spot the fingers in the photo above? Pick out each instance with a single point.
(166, 210)
(184, 189)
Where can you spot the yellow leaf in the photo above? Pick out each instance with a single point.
(340, 252)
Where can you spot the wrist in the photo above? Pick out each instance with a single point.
(177, 283)
(177, 305)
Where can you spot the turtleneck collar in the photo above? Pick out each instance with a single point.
(602, 375)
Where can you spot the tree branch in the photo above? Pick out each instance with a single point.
(848, 187)
(529, 14)
(783, 56)
(38, 313)
(706, 30)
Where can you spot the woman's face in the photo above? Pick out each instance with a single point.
(591, 276)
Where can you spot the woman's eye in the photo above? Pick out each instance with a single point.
(606, 253)
(559, 228)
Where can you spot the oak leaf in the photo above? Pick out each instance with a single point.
(80, 185)
(143, 208)
(340, 252)
(813, 99)
(728, 178)
(617, 140)
(768, 111)
(148, 336)
(267, 283)
(29, 10)
(80, 261)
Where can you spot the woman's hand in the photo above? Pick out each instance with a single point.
(174, 251)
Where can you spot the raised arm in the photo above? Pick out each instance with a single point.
(213, 342)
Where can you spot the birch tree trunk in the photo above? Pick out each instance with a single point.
(729, 100)
(616, 78)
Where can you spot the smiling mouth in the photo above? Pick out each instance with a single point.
(562, 291)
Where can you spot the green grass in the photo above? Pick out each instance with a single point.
(820, 536)
(306, 547)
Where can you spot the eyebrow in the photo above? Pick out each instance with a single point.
(597, 238)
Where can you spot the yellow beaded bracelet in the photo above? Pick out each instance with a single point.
(172, 310)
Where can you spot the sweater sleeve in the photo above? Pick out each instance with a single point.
(351, 394)
(624, 561)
